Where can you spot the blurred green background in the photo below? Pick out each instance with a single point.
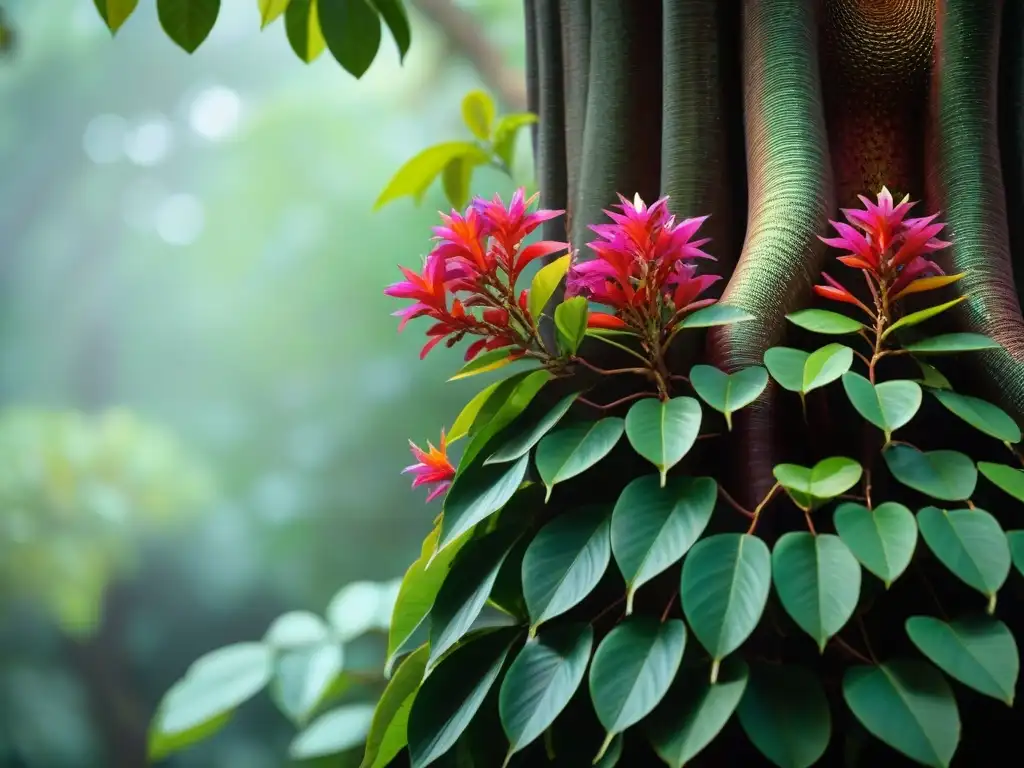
(205, 404)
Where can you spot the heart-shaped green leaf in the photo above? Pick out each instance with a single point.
(980, 652)
(571, 324)
(653, 527)
(716, 314)
(728, 393)
(825, 321)
(388, 734)
(785, 714)
(915, 318)
(945, 475)
(1007, 479)
(888, 406)
(1016, 540)
(565, 561)
(818, 581)
(477, 495)
(544, 285)
(633, 668)
(950, 343)
(542, 680)
(724, 589)
(520, 442)
(694, 711)
(982, 415)
(663, 431)
(970, 543)
(908, 705)
(573, 450)
(801, 372)
(882, 539)
(451, 694)
(827, 479)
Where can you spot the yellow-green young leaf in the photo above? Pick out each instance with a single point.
(394, 15)
(115, 12)
(302, 26)
(571, 323)
(928, 284)
(919, 317)
(464, 421)
(418, 174)
(351, 29)
(188, 22)
(505, 134)
(162, 745)
(269, 11)
(388, 735)
(478, 114)
(455, 180)
(544, 284)
(488, 361)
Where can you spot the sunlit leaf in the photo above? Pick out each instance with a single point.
(510, 406)
(505, 133)
(413, 178)
(270, 10)
(827, 479)
(188, 22)
(883, 539)
(388, 730)
(571, 324)
(488, 361)
(116, 12)
(801, 372)
(478, 114)
(919, 317)
(927, 284)
(358, 608)
(889, 405)
(455, 180)
(545, 283)
(727, 393)
(302, 26)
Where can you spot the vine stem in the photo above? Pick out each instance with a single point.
(867, 488)
(756, 515)
(810, 523)
(612, 371)
(601, 614)
(867, 642)
(668, 608)
(850, 649)
(615, 403)
(733, 503)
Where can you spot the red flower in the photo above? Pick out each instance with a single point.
(432, 468)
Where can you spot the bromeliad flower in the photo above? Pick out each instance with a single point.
(432, 468)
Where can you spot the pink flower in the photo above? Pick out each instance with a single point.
(432, 468)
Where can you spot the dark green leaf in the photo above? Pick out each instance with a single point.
(116, 12)
(909, 705)
(509, 407)
(413, 178)
(453, 693)
(387, 736)
(945, 475)
(455, 180)
(565, 561)
(818, 581)
(979, 652)
(394, 15)
(302, 26)
(545, 283)
(825, 321)
(983, 416)
(351, 29)
(932, 376)
(694, 712)
(465, 590)
(633, 668)
(1007, 479)
(716, 314)
(785, 714)
(950, 343)
(188, 22)
(888, 406)
(724, 589)
(663, 431)
(827, 479)
(478, 494)
(970, 543)
(571, 323)
(882, 539)
(1016, 540)
(520, 443)
(654, 526)
(505, 135)
(478, 114)
(542, 680)
(573, 450)
(728, 393)
(335, 731)
(915, 318)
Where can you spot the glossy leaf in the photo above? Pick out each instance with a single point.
(116, 12)
(694, 712)
(477, 495)
(394, 15)
(1016, 541)
(388, 736)
(932, 376)
(571, 324)
(632, 670)
(545, 283)
(801, 372)
(188, 22)
(663, 431)
(908, 705)
(565, 562)
(465, 590)
(488, 361)
(785, 715)
(724, 589)
(889, 405)
(478, 114)
(573, 450)
(970, 543)
(882, 539)
(519, 444)
(468, 415)
(915, 318)
(818, 581)
(827, 479)
(716, 314)
(507, 409)
(335, 731)
(351, 29)
(727, 393)
(505, 133)
(453, 693)
(542, 680)
(1007, 479)
(951, 343)
(945, 475)
(455, 180)
(654, 526)
(415, 177)
(982, 415)
(302, 26)
(979, 652)
(825, 321)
